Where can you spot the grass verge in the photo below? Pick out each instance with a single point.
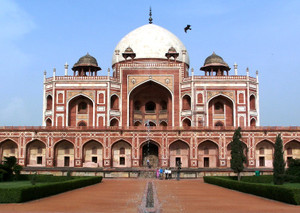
(22, 193)
(281, 193)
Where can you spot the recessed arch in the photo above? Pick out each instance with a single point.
(114, 102)
(114, 122)
(186, 122)
(149, 153)
(292, 149)
(179, 154)
(253, 122)
(92, 154)
(8, 148)
(64, 153)
(121, 159)
(186, 102)
(229, 111)
(208, 154)
(252, 101)
(133, 91)
(49, 102)
(36, 153)
(72, 110)
(264, 151)
(48, 122)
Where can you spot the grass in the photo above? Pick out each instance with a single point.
(16, 184)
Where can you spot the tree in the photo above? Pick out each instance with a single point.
(10, 169)
(237, 155)
(278, 163)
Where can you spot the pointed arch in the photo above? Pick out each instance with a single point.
(114, 122)
(186, 122)
(36, 153)
(208, 154)
(160, 84)
(121, 159)
(64, 153)
(49, 102)
(114, 102)
(186, 102)
(8, 148)
(68, 108)
(229, 108)
(264, 151)
(179, 154)
(92, 154)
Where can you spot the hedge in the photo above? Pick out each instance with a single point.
(26, 193)
(252, 179)
(275, 192)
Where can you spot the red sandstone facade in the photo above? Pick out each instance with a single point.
(149, 109)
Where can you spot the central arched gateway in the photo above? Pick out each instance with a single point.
(150, 102)
(150, 151)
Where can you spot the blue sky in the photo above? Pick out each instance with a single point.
(39, 35)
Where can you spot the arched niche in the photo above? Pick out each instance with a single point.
(114, 102)
(179, 154)
(64, 154)
(8, 148)
(114, 122)
(36, 153)
(292, 150)
(186, 122)
(121, 154)
(150, 101)
(186, 102)
(264, 152)
(220, 110)
(80, 108)
(150, 151)
(92, 154)
(208, 154)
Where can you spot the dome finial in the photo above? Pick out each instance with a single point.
(150, 16)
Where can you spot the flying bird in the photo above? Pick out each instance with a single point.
(188, 27)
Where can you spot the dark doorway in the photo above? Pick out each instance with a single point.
(261, 161)
(94, 159)
(67, 161)
(206, 162)
(39, 160)
(122, 160)
(178, 161)
(150, 153)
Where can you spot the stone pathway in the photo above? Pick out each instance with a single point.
(125, 195)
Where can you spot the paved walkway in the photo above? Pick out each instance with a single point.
(125, 195)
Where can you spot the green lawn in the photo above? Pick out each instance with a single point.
(15, 184)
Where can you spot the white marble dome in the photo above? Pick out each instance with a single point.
(150, 41)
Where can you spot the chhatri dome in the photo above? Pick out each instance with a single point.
(150, 42)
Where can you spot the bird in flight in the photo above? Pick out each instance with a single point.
(188, 27)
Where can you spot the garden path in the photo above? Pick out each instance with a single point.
(125, 195)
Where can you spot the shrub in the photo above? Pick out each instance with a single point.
(294, 167)
(274, 192)
(26, 193)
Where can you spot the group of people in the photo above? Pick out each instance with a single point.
(164, 173)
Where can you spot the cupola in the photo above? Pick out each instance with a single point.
(215, 64)
(86, 66)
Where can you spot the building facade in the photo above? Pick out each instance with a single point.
(147, 108)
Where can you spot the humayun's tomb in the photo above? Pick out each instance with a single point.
(147, 107)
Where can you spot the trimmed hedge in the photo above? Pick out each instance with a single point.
(252, 179)
(274, 192)
(26, 193)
